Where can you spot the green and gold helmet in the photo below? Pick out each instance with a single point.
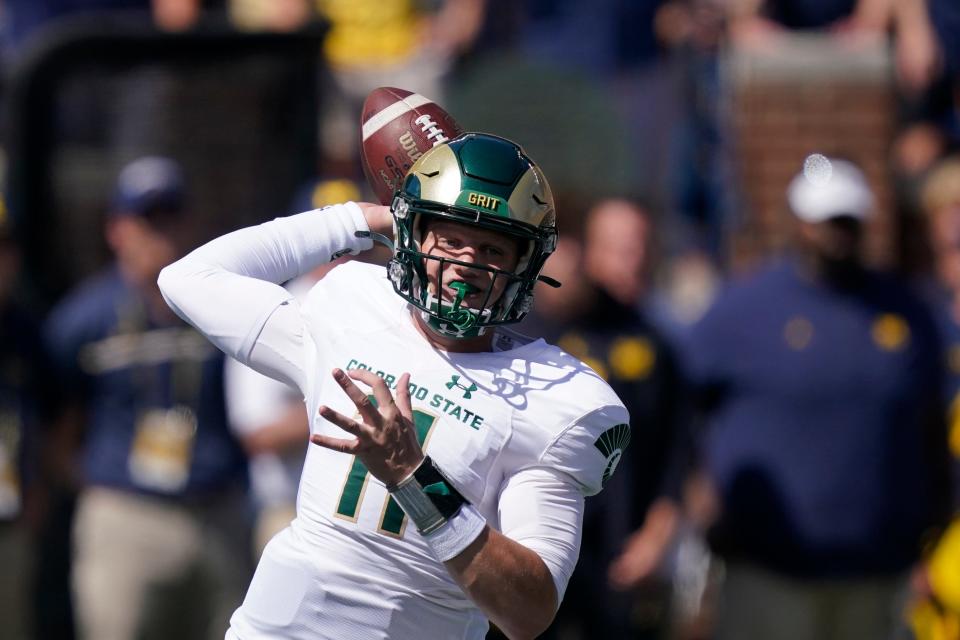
(484, 181)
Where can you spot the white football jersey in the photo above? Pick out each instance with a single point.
(523, 432)
(361, 570)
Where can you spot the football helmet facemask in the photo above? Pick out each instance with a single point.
(483, 181)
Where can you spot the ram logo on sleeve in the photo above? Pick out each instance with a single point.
(611, 445)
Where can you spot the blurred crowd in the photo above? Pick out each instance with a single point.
(795, 464)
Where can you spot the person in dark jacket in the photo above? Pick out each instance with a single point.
(160, 520)
(825, 436)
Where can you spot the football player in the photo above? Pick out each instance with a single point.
(453, 455)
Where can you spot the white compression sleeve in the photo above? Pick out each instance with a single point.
(542, 509)
(230, 287)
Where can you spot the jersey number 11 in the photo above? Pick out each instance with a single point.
(392, 517)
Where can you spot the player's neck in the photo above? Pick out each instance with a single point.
(454, 345)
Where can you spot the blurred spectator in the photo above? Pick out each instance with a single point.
(686, 288)
(945, 16)
(900, 34)
(758, 23)
(930, 125)
(825, 437)
(159, 533)
(396, 43)
(604, 36)
(25, 19)
(603, 325)
(700, 189)
(567, 63)
(618, 240)
(20, 403)
(27, 25)
(269, 15)
(268, 416)
(556, 307)
(934, 612)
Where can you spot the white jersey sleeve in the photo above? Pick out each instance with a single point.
(590, 449)
(542, 510)
(565, 444)
(541, 506)
(229, 289)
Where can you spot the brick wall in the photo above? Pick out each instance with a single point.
(811, 94)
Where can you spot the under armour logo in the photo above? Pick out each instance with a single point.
(467, 391)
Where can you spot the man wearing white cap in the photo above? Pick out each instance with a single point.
(825, 439)
(831, 200)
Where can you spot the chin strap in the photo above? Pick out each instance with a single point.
(376, 237)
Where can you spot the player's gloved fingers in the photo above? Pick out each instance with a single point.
(362, 401)
(347, 424)
(403, 396)
(343, 445)
(380, 389)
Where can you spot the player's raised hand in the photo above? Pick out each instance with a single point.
(385, 439)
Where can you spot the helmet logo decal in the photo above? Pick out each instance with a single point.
(611, 444)
(467, 391)
(484, 201)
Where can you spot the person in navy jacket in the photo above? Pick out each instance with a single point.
(160, 517)
(825, 437)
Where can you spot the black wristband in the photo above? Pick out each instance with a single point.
(442, 494)
(427, 498)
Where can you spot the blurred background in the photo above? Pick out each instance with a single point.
(670, 131)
